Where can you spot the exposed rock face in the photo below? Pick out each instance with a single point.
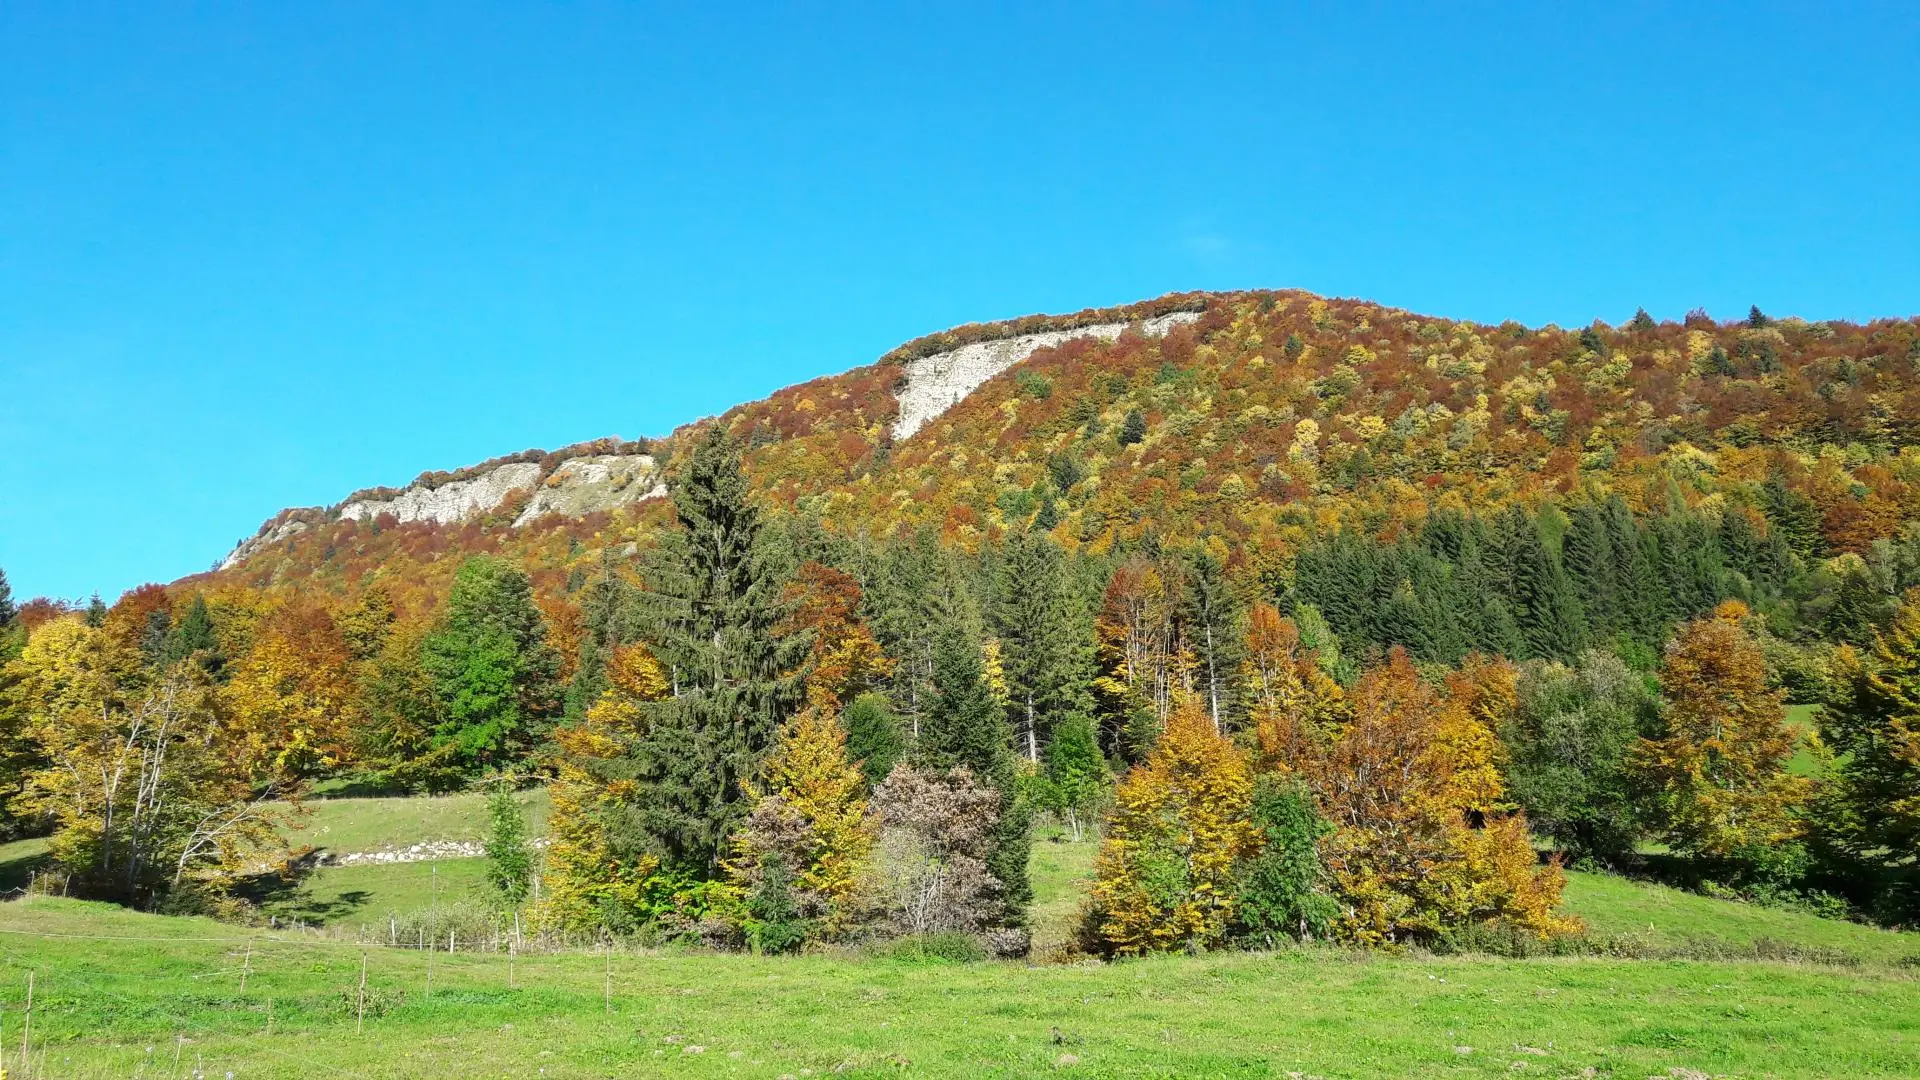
(936, 383)
(577, 486)
(452, 502)
(585, 484)
(265, 538)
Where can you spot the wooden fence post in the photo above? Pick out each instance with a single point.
(246, 966)
(26, 1027)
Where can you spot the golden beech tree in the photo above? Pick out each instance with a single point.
(1718, 770)
(584, 876)
(149, 786)
(1290, 702)
(1180, 822)
(293, 694)
(811, 814)
(1410, 784)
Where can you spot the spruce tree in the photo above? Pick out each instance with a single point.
(875, 741)
(1544, 602)
(609, 614)
(6, 601)
(1045, 640)
(193, 639)
(719, 630)
(1134, 428)
(1586, 551)
(965, 727)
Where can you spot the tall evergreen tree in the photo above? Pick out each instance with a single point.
(6, 601)
(1045, 640)
(193, 639)
(1545, 604)
(719, 630)
(1586, 551)
(965, 727)
(1213, 614)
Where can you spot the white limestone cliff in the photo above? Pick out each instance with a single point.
(936, 383)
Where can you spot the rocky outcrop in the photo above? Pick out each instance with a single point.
(575, 487)
(280, 528)
(449, 502)
(936, 383)
(583, 485)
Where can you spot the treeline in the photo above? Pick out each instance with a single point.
(762, 732)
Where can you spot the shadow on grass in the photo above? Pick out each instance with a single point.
(15, 873)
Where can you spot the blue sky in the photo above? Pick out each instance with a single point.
(259, 255)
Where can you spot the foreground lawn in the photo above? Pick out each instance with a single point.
(116, 1007)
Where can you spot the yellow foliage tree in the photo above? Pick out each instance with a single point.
(1180, 821)
(1718, 770)
(812, 813)
(1290, 701)
(1412, 788)
(585, 879)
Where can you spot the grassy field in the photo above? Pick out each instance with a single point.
(119, 993)
(344, 825)
(116, 1008)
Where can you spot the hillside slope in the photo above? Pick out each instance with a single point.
(1254, 418)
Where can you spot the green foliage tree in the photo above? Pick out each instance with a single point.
(1870, 812)
(492, 668)
(1567, 743)
(875, 741)
(510, 857)
(720, 630)
(1076, 772)
(1045, 640)
(1281, 890)
(1134, 428)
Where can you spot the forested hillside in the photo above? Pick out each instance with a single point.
(1321, 614)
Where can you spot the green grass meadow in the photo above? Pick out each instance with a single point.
(121, 994)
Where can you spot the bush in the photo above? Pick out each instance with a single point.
(1280, 892)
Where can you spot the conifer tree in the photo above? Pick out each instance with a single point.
(965, 727)
(1212, 614)
(1045, 640)
(1871, 814)
(609, 610)
(1545, 604)
(875, 741)
(1134, 428)
(720, 631)
(193, 639)
(6, 601)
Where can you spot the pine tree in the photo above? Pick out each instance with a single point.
(1871, 813)
(1586, 551)
(609, 610)
(719, 631)
(1134, 428)
(1642, 321)
(965, 728)
(1045, 640)
(1212, 614)
(6, 601)
(193, 639)
(1794, 517)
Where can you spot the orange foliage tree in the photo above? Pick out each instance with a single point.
(1411, 787)
(1717, 772)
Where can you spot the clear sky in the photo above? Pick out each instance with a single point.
(260, 255)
